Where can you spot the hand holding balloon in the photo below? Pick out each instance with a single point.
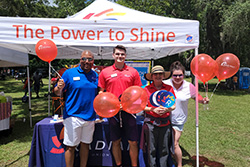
(205, 100)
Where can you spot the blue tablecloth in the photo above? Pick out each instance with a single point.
(47, 149)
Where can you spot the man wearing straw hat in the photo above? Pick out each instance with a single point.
(80, 84)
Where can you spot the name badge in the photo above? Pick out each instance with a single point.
(76, 78)
(113, 75)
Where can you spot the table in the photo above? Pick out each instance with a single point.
(5, 113)
(47, 149)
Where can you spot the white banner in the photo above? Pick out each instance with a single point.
(98, 33)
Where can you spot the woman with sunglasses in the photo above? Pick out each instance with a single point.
(184, 91)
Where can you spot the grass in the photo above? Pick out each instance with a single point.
(223, 129)
(15, 147)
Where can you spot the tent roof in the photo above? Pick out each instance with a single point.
(99, 27)
(106, 10)
(12, 58)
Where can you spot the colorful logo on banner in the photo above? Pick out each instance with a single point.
(189, 39)
(57, 143)
(108, 12)
(162, 98)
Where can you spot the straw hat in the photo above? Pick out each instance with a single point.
(157, 69)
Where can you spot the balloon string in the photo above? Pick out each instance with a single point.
(120, 117)
(55, 70)
(205, 105)
(206, 88)
(61, 96)
(214, 90)
(133, 116)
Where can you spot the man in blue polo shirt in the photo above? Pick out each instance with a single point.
(80, 84)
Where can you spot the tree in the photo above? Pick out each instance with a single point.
(210, 20)
(236, 30)
(224, 25)
(69, 7)
(26, 8)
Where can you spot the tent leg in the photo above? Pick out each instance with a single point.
(30, 118)
(197, 115)
(49, 89)
(28, 77)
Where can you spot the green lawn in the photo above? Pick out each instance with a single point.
(223, 129)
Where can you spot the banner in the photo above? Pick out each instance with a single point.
(90, 32)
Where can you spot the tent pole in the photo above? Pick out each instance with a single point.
(49, 89)
(197, 115)
(28, 77)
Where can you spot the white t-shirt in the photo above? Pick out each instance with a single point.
(183, 94)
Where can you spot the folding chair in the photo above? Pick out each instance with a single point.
(57, 105)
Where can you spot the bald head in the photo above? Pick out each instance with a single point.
(87, 53)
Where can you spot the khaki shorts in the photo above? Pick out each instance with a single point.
(77, 130)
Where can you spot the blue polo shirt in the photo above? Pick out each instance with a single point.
(81, 89)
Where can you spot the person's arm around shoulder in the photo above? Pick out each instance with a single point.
(60, 85)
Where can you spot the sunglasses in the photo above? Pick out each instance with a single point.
(85, 59)
(180, 75)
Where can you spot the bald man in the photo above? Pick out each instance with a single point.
(80, 85)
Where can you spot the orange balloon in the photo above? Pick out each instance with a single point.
(134, 99)
(204, 67)
(228, 65)
(46, 50)
(106, 105)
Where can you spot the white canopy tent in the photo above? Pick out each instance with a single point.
(13, 58)
(101, 26)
